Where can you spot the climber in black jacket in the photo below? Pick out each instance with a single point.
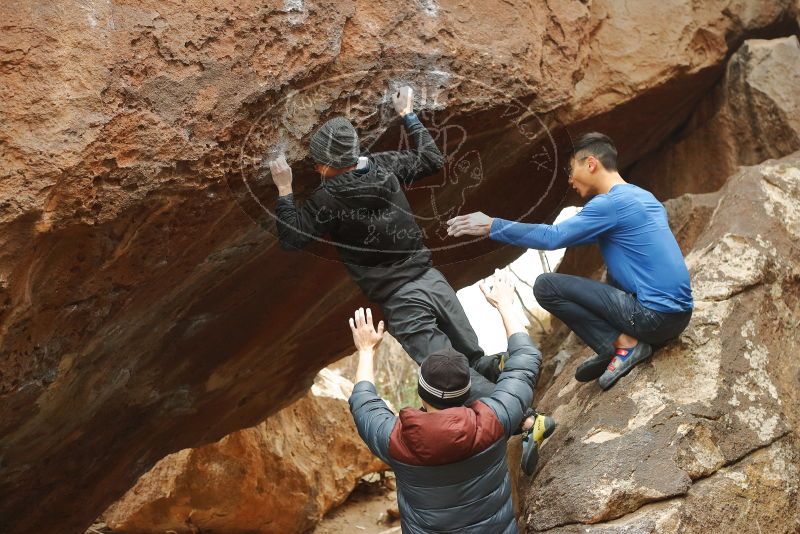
(361, 205)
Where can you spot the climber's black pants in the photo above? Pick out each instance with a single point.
(599, 312)
(425, 315)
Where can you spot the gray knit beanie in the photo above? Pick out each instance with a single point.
(335, 144)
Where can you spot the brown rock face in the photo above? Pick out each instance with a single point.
(277, 477)
(757, 494)
(142, 311)
(703, 437)
(751, 116)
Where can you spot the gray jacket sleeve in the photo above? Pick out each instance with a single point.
(374, 420)
(425, 159)
(513, 393)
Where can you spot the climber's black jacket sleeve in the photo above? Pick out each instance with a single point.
(298, 226)
(410, 165)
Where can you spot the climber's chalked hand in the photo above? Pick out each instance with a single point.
(281, 175)
(403, 100)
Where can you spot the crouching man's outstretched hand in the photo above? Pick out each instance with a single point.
(367, 339)
(472, 224)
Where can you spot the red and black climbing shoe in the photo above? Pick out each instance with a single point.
(543, 427)
(592, 368)
(624, 360)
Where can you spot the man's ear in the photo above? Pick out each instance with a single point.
(593, 163)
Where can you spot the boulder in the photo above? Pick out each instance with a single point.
(702, 437)
(757, 494)
(278, 477)
(752, 115)
(144, 309)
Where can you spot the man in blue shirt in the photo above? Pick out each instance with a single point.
(648, 299)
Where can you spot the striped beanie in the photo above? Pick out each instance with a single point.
(444, 380)
(335, 144)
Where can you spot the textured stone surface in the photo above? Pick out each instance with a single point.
(277, 477)
(751, 116)
(757, 494)
(142, 311)
(706, 429)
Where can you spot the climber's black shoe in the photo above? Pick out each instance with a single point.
(624, 361)
(543, 427)
(592, 368)
(530, 456)
(490, 366)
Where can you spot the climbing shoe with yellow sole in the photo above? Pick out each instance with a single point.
(543, 427)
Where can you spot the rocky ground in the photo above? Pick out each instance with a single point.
(369, 510)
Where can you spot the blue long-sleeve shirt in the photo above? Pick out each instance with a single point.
(630, 226)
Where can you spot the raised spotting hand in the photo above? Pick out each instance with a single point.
(502, 296)
(367, 339)
(501, 293)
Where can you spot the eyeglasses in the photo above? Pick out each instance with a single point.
(568, 168)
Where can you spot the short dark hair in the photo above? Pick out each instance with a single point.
(598, 145)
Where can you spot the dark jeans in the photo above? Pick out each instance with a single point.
(424, 315)
(599, 312)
